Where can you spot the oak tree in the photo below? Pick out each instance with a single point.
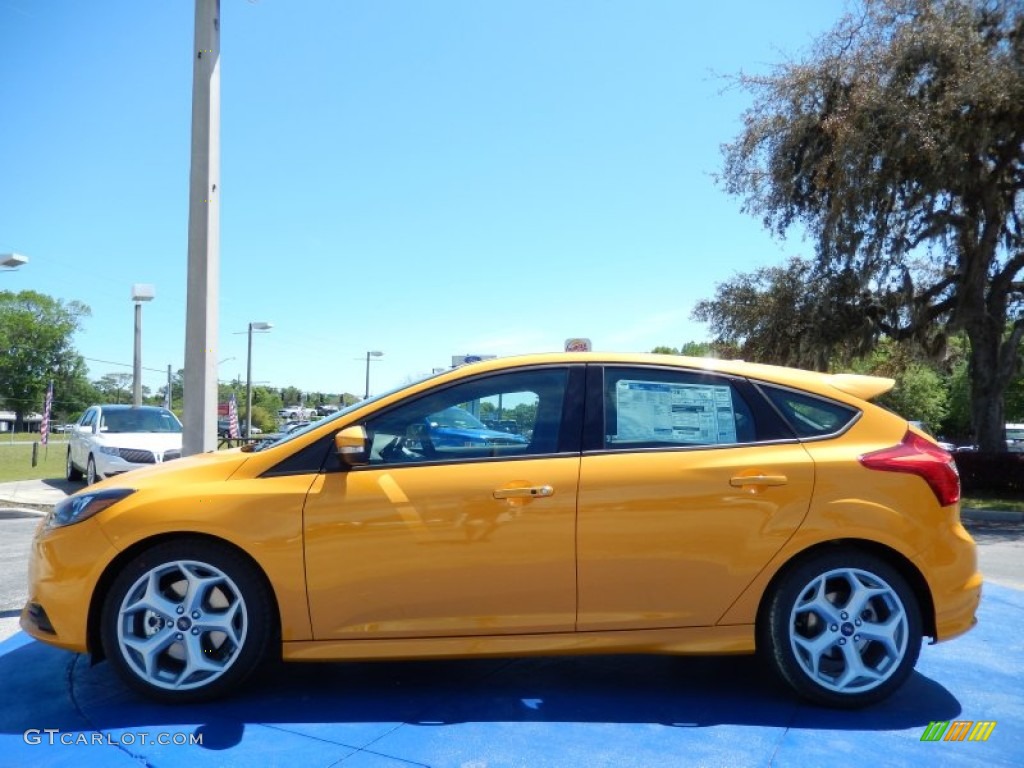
(897, 144)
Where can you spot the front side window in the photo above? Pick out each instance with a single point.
(652, 408)
(501, 416)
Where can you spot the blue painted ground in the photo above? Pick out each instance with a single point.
(592, 711)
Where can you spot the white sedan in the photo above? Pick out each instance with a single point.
(111, 439)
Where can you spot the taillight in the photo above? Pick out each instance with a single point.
(922, 458)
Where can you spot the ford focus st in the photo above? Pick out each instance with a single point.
(647, 504)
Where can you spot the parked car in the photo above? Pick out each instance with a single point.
(111, 439)
(1015, 438)
(224, 428)
(457, 427)
(943, 444)
(661, 504)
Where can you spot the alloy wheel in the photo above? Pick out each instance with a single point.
(849, 630)
(182, 625)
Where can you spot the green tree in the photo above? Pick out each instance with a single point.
(718, 349)
(114, 387)
(177, 389)
(783, 315)
(898, 144)
(267, 398)
(73, 394)
(36, 334)
(291, 395)
(921, 392)
(263, 418)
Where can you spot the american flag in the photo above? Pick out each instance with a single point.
(44, 426)
(233, 417)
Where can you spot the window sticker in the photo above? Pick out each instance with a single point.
(654, 411)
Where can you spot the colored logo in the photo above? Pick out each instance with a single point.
(577, 345)
(959, 730)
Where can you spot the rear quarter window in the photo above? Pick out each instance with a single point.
(808, 415)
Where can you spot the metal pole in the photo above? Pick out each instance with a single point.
(248, 387)
(137, 361)
(200, 433)
(169, 397)
(367, 394)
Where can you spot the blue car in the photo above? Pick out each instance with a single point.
(457, 428)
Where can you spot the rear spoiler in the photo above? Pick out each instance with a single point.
(864, 387)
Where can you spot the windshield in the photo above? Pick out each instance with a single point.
(1015, 433)
(455, 418)
(140, 420)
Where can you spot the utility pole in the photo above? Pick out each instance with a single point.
(200, 426)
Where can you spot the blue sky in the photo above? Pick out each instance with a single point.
(424, 178)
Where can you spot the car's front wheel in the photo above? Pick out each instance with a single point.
(843, 628)
(187, 620)
(73, 473)
(90, 471)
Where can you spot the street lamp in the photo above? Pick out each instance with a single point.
(11, 261)
(262, 328)
(374, 353)
(140, 292)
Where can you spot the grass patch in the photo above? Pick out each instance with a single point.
(15, 438)
(993, 501)
(16, 461)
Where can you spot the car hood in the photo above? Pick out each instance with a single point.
(152, 441)
(201, 468)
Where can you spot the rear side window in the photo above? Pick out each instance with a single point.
(652, 408)
(810, 416)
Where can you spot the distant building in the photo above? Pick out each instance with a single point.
(30, 423)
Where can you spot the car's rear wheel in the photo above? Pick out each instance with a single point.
(843, 628)
(90, 471)
(73, 473)
(187, 620)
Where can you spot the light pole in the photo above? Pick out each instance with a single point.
(203, 276)
(374, 353)
(140, 292)
(262, 328)
(11, 261)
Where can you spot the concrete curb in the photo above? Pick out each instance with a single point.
(991, 515)
(13, 513)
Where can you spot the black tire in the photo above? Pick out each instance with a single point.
(73, 473)
(220, 631)
(835, 644)
(90, 472)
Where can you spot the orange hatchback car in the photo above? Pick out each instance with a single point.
(647, 504)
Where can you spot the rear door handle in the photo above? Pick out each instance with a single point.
(531, 492)
(740, 480)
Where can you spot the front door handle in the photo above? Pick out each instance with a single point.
(741, 480)
(530, 492)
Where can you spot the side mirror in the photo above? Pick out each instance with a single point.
(352, 446)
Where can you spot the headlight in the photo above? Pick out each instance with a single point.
(109, 450)
(82, 506)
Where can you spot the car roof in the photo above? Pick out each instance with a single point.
(128, 407)
(858, 386)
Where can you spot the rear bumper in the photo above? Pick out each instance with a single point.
(951, 565)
